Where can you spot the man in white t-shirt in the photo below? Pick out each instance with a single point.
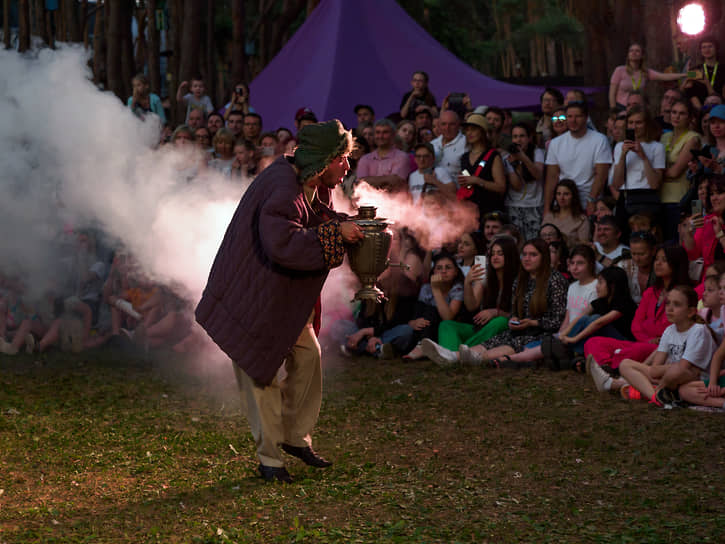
(426, 178)
(581, 155)
(451, 144)
(606, 235)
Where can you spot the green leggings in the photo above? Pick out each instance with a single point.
(452, 334)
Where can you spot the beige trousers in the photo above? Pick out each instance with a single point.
(286, 410)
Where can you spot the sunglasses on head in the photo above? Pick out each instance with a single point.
(643, 235)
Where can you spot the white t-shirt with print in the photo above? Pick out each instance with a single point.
(579, 297)
(531, 194)
(576, 158)
(416, 181)
(636, 178)
(695, 345)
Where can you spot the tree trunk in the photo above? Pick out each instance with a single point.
(114, 46)
(140, 54)
(39, 20)
(128, 64)
(72, 25)
(84, 22)
(23, 25)
(210, 56)
(190, 42)
(291, 9)
(6, 24)
(99, 46)
(176, 12)
(153, 50)
(239, 38)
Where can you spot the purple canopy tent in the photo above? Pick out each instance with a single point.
(350, 52)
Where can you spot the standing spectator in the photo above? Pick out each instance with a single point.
(423, 118)
(582, 155)
(639, 165)
(214, 122)
(558, 125)
(678, 145)
(235, 123)
(633, 76)
(495, 117)
(304, 116)
(708, 80)
(525, 196)
(387, 167)
(483, 178)
(419, 95)
(239, 101)
(252, 127)
(365, 114)
(551, 100)
(451, 144)
(143, 101)
(196, 99)
(426, 178)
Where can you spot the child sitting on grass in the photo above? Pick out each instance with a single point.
(711, 311)
(684, 352)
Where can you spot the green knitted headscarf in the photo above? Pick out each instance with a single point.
(318, 145)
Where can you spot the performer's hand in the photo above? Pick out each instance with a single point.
(351, 232)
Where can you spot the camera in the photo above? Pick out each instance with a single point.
(513, 149)
(239, 90)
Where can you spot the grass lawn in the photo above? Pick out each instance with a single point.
(101, 449)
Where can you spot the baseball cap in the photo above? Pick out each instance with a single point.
(718, 111)
(303, 111)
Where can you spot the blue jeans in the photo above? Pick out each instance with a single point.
(401, 337)
(608, 330)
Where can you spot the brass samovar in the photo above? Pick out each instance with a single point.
(369, 257)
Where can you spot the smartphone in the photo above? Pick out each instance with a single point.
(629, 134)
(480, 259)
(697, 207)
(465, 173)
(515, 322)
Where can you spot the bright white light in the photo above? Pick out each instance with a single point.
(691, 19)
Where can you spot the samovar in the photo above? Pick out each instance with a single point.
(369, 257)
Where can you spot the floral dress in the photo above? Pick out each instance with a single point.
(549, 321)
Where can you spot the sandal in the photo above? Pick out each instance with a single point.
(503, 362)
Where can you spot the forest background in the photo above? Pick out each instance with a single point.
(561, 42)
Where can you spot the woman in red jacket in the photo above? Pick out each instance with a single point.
(650, 321)
(701, 236)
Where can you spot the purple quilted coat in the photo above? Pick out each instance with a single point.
(269, 271)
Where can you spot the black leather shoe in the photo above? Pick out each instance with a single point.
(307, 455)
(271, 474)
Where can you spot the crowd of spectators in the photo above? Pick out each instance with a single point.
(596, 250)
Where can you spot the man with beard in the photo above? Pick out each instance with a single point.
(261, 303)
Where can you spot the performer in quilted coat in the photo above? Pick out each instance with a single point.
(261, 302)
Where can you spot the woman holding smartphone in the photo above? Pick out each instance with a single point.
(538, 307)
(639, 165)
(701, 236)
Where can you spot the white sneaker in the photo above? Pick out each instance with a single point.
(438, 354)
(599, 376)
(29, 343)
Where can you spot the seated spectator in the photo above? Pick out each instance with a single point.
(143, 101)
(223, 152)
(425, 135)
(451, 144)
(470, 244)
(683, 355)
(650, 321)
(538, 307)
(492, 225)
(638, 266)
(194, 100)
(559, 254)
(711, 311)
(482, 180)
(551, 101)
(525, 196)
(16, 317)
(438, 300)
(419, 95)
(487, 294)
(567, 214)
(387, 167)
(607, 243)
(426, 178)
(582, 155)
(550, 233)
